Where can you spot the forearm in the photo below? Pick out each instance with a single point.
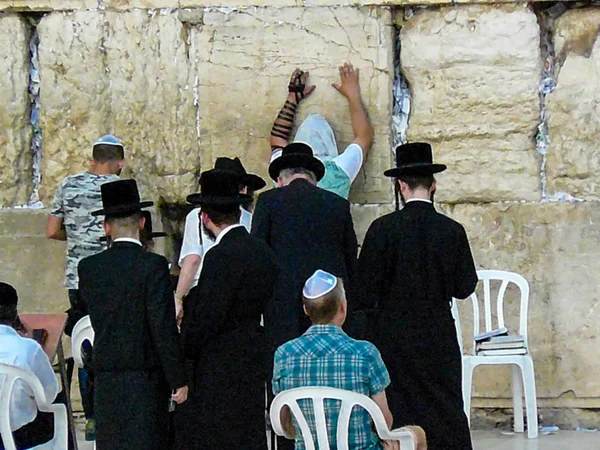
(187, 275)
(282, 127)
(361, 125)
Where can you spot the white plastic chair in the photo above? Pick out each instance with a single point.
(523, 376)
(349, 399)
(9, 375)
(82, 331)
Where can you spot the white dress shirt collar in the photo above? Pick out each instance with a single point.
(126, 239)
(419, 200)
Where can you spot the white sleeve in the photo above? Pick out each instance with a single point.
(41, 367)
(191, 236)
(350, 161)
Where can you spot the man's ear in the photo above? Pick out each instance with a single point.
(142, 222)
(107, 228)
(280, 182)
(122, 163)
(305, 311)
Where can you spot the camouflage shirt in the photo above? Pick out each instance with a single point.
(76, 198)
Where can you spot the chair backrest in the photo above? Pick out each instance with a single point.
(8, 378)
(82, 331)
(487, 276)
(318, 395)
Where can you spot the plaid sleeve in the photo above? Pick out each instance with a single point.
(277, 364)
(379, 378)
(57, 208)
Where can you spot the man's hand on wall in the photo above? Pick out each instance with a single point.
(298, 89)
(350, 87)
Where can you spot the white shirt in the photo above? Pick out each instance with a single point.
(26, 354)
(198, 243)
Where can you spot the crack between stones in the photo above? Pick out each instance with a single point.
(546, 21)
(402, 96)
(34, 93)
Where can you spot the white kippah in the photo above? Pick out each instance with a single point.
(319, 284)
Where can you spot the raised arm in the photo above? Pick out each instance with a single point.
(361, 125)
(282, 128)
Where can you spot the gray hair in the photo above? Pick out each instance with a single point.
(287, 174)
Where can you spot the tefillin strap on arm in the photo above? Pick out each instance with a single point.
(282, 128)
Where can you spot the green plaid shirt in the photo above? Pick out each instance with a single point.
(326, 356)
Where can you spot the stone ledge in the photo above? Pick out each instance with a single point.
(76, 5)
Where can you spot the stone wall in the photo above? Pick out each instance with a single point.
(185, 82)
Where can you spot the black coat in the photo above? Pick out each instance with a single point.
(412, 263)
(137, 356)
(222, 335)
(308, 228)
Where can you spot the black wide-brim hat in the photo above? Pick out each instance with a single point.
(120, 198)
(147, 228)
(297, 155)
(254, 182)
(414, 159)
(219, 188)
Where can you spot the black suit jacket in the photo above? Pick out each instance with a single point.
(126, 293)
(308, 228)
(235, 284)
(412, 263)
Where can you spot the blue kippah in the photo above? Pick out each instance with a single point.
(109, 139)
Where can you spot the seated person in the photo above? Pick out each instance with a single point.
(30, 427)
(326, 356)
(340, 170)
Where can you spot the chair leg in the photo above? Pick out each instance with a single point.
(517, 388)
(467, 385)
(530, 398)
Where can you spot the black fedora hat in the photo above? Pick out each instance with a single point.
(147, 228)
(414, 159)
(297, 154)
(219, 188)
(120, 198)
(254, 182)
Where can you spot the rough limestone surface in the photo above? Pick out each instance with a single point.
(574, 107)
(140, 74)
(126, 74)
(32, 263)
(244, 61)
(555, 247)
(15, 134)
(474, 73)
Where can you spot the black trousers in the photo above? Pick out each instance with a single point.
(40, 431)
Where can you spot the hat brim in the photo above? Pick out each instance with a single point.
(122, 210)
(295, 160)
(217, 200)
(415, 170)
(254, 182)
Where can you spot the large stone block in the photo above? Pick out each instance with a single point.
(574, 107)
(46, 5)
(122, 73)
(33, 264)
(364, 215)
(245, 59)
(15, 137)
(554, 247)
(474, 73)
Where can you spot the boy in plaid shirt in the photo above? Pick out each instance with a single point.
(326, 356)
